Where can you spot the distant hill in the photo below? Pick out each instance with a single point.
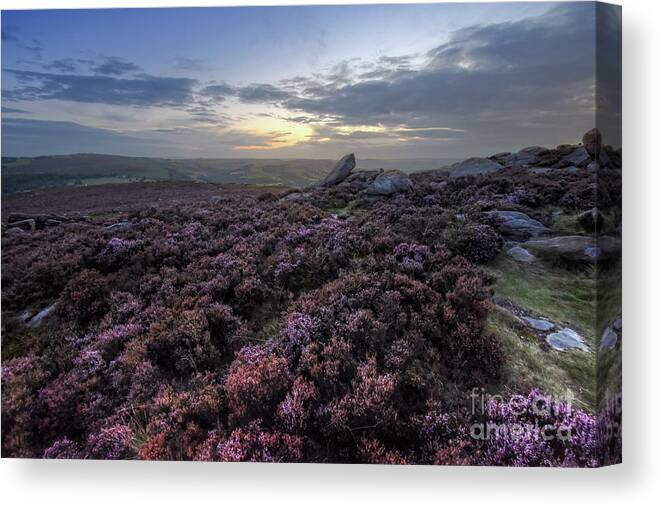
(22, 173)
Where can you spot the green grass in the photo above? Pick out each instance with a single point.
(566, 297)
(567, 375)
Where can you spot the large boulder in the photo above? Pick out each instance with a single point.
(575, 248)
(592, 142)
(341, 170)
(515, 224)
(472, 166)
(389, 182)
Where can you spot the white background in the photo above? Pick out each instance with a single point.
(637, 481)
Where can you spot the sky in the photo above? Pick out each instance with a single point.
(384, 81)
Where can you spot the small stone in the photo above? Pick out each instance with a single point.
(539, 324)
(521, 254)
(215, 200)
(608, 339)
(567, 339)
(617, 324)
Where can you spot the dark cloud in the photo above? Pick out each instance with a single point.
(262, 93)
(530, 80)
(218, 92)
(113, 66)
(143, 90)
(9, 110)
(66, 65)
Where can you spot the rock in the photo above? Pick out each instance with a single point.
(518, 225)
(540, 170)
(341, 170)
(593, 167)
(29, 224)
(472, 166)
(591, 220)
(608, 339)
(592, 142)
(25, 315)
(520, 254)
(215, 200)
(525, 157)
(15, 231)
(604, 160)
(539, 324)
(118, 225)
(438, 186)
(617, 324)
(39, 317)
(390, 182)
(50, 222)
(574, 248)
(567, 339)
(579, 158)
(294, 197)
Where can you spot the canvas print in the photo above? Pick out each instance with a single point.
(371, 234)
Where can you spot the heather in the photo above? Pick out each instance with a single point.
(325, 325)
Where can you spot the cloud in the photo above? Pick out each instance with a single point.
(65, 65)
(10, 110)
(262, 93)
(113, 66)
(143, 90)
(530, 80)
(218, 92)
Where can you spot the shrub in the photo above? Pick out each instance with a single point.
(476, 242)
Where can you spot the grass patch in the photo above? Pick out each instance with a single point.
(567, 375)
(566, 297)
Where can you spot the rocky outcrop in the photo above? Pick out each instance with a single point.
(341, 170)
(579, 158)
(472, 166)
(526, 157)
(575, 248)
(30, 222)
(515, 224)
(389, 182)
